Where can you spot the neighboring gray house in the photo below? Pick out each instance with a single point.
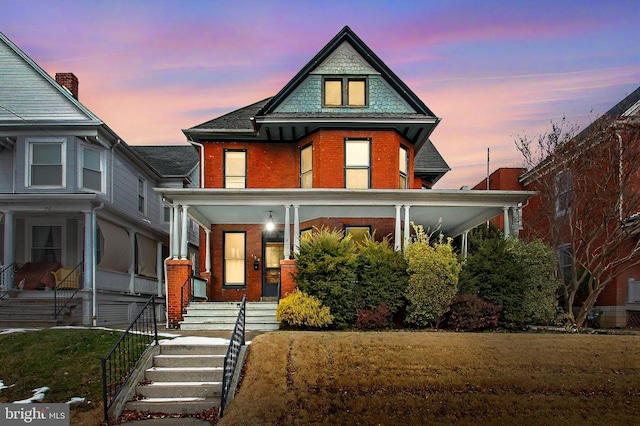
(77, 201)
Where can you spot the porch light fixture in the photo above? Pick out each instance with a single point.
(270, 226)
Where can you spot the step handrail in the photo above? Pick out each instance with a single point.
(7, 276)
(233, 353)
(123, 359)
(66, 289)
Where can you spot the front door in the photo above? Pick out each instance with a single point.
(273, 253)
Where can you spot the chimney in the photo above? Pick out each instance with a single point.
(69, 81)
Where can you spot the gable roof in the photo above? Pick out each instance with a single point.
(31, 96)
(347, 35)
(429, 164)
(169, 160)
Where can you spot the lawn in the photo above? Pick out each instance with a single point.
(65, 360)
(418, 378)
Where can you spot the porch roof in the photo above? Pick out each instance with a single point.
(454, 211)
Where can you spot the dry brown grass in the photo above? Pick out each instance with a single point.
(419, 378)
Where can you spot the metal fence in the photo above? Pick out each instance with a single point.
(7, 274)
(233, 353)
(122, 360)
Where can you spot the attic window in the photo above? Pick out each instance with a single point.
(345, 92)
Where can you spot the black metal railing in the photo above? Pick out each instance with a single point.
(7, 277)
(194, 288)
(185, 297)
(233, 353)
(67, 285)
(122, 360)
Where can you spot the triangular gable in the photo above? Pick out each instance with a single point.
(28, 94)
(324, 59)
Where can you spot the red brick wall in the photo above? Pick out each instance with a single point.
(177, 273)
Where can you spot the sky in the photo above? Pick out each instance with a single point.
(491, 70)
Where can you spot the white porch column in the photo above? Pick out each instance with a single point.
(505, 213)
(397, 242)
(175, 232)
(207, 245)
(9, 244)
(465, 244)
(296, 230)
(407, 227)
(287, 233)
(159, 266)
(87, 275)
(184, 233)
(132, 266)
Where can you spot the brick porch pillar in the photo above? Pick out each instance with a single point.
(178, 270)
(288, 270)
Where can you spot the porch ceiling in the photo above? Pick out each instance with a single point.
(456, 211)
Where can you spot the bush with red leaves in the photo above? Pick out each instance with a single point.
(373, 318)
(469, 312)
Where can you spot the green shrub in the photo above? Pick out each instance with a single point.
(433, 279)
(469, 312)
(327, 270)
(373, 318)
(299, 310)
(382, 276)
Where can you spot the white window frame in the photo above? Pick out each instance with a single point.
(102, 169)
(30, 142)
(225, 170)
(404, 174)
(143, 196)
(350, 166)
(304, 173)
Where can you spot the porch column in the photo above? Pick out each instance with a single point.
(407, 226)
(287, 233)
(207, 246)
(9, 245)
(159, 266)
(87, 274)
(465, 244)
(183, 236)
(397, 243)
(175, 232)
(296, 230)
(505, 213)
(132, 266)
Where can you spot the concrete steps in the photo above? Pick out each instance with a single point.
(183, 379)
(260, 316)
(31, 312)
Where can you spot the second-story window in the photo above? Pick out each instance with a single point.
(404, 168)
(306, 167)
(345, 92)
(357, 160)
(235, 169)
(562, 189)
(142, 191)
(92, 169)
(46, 164)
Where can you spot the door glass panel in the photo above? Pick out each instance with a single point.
(274, 253)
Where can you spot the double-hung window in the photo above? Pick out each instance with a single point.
(345, 92)
(404, 168)
(92, 169)
(234, 258)
(357, 161)
(235, 169)
(562, 189)
(306, 167)
(46, 163)
(142, 195)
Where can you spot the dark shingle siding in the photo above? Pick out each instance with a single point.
(169, 160)
(235, 120)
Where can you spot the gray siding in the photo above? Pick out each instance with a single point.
(6, 171)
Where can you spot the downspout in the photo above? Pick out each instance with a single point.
(199, 145)
(94, 317)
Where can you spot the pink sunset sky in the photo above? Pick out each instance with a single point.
(491, 70)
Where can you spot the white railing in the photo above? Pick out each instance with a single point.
(120, 282)
(143, 285)
(634, 291)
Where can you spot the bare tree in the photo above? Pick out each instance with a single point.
(588, 203)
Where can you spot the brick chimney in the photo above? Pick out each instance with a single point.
(69, 81)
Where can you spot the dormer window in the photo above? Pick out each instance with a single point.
(345, 92)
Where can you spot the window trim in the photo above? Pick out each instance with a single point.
(30, 142)
(144, 196)
(30, 223)
(368, 167)
(302, 173)
(405, 174)
(81, 169)
(344, 82)
(226, 285)
(562, 191)
(224, 167)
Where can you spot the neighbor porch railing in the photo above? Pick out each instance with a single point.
(122, 360)
(67, 285)
(194, 288)
(633, 291)
(233, 353)
(7, 274)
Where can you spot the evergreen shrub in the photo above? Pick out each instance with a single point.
(299, 310)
